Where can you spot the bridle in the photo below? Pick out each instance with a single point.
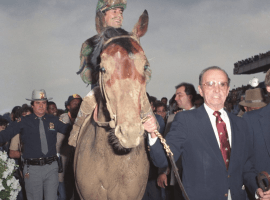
(102, 71)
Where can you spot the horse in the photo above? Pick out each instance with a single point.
(110, 160)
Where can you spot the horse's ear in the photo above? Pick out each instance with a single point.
(141, 26)
(100, 22)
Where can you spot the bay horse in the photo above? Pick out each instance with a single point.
(110, 158)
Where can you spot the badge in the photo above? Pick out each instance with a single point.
(76, 96)
(42, 95)
(51, 126)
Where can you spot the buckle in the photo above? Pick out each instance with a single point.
(41, 161)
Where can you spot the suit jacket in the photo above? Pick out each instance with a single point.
(204, 172)
(259, 128)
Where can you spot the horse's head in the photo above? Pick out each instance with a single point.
(123, 81)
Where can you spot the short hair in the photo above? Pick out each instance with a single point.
(198, 96)
(26, 108)
(189, 90)
(164, 98)
(3, 121)
(158, 104)
(267, 78)
(15, 109)
(51, 103)
(17, 114)
(212, 68)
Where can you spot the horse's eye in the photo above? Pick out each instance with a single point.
(146, 67)
(102, 69)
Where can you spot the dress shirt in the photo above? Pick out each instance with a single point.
(224, 117)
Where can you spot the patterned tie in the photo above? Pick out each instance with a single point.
(43, 139)
(223, 138)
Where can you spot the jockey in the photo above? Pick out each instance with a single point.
(112, 13)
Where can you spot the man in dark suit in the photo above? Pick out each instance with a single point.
(215, 145)
(259, 129)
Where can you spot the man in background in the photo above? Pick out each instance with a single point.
(66, 186)
(52, 108)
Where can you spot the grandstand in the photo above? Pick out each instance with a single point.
(255, 64)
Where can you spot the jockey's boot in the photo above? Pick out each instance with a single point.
(87, 107)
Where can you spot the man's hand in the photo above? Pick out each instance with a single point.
(263, 195)
(14, 154)
(162, 180)
(150, 126)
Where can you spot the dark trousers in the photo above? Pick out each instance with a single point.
(152, 191)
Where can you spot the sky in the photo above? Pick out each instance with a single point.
(40, 43)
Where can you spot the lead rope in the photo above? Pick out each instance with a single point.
(170, 155)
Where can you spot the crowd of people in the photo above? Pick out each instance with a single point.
(251, 59)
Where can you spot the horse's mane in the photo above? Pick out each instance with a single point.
(105, 36)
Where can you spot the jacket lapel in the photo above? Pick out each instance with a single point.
(209, 134)
(236, 141)
(265, 124)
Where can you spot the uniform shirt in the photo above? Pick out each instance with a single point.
(28, 128)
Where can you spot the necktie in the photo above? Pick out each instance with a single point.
(43, 139)
(223, 138)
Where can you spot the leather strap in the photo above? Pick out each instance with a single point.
(264, 180)
(40, 161)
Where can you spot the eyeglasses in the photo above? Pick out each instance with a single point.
(212, 84)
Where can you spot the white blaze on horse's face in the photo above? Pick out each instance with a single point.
(124, 84)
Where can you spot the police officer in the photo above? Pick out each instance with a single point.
(38, 135)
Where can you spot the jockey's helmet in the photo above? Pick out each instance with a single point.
(105, 5)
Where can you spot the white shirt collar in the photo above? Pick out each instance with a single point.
(210, 111)
(190, 108)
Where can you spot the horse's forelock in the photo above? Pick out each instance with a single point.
(100, 40)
